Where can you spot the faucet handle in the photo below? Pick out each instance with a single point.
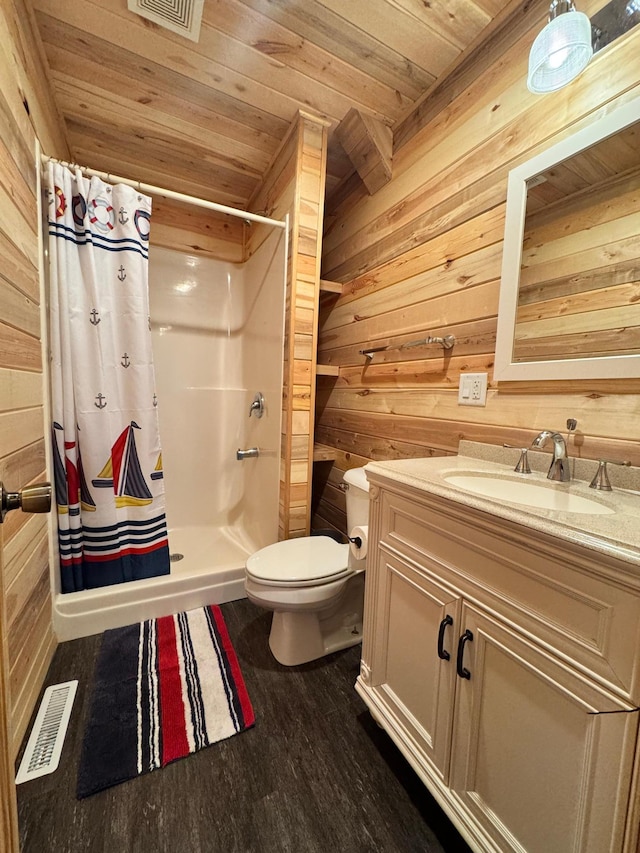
(523, 463)
(601, 478)
(257, 405)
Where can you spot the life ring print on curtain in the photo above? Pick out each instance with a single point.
(101, 215)
(78, 208)
(61, 202)
(141, 221)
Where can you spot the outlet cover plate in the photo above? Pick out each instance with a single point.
(472, 390)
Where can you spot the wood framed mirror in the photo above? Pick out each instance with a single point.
(570, 289)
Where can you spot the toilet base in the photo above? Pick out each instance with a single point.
(298, 638)
(301, 636)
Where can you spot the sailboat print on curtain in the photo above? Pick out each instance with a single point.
(123, 473)
(158, 473)
(69, 478)
(112, 526)
(59, 473)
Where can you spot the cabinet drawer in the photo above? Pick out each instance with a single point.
(562, 595)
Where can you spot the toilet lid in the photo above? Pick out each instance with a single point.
(300, 562)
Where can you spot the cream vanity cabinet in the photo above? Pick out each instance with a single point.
(487, 652)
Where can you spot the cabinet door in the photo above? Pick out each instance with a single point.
(413, 664)
(536, 770)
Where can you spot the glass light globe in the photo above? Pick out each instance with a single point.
(560, 52)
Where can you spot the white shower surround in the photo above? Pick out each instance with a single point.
(218, 332)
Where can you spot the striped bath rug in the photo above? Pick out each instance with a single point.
(162, 689)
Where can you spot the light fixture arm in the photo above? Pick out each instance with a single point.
(559, 7)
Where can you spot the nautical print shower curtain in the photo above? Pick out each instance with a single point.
(106, 444)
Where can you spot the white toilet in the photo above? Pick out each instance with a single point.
(314, 585)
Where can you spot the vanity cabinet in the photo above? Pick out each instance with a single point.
(487, 655)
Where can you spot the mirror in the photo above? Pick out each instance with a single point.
(570, 289)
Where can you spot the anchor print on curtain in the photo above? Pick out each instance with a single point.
(106, 444)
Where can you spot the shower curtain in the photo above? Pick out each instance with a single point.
(106, 444)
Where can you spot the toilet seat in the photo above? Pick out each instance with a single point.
(307, 561)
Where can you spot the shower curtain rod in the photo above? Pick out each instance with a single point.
(149, 188)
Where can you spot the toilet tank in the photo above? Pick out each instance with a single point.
(357, 498)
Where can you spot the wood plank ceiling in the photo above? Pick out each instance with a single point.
(206, 118)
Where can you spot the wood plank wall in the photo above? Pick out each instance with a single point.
(26, 111)
(423, 255)
(195, 230)
(295, 185)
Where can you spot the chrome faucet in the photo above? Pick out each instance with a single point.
(249, 453)
(559, 468)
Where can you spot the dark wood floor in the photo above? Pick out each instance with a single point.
(314, 774)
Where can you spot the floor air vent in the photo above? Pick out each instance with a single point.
(42, 754)
(180, 16)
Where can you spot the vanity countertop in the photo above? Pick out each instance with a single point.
(616, 534)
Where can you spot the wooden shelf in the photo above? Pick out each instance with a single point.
(329, 292)
(330, 286)
(327, 370)
(322, 453)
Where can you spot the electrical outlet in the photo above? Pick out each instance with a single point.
(473, 389)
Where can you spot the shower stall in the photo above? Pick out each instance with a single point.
(218, 332)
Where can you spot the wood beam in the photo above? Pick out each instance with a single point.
(369, 144)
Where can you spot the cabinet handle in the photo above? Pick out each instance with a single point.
(442, 653)
(462, 671)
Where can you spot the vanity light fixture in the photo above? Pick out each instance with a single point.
(562, 50)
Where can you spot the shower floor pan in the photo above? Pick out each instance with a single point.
(211, 571)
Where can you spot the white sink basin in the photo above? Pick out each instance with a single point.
(526, 493)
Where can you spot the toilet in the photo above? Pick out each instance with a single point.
(314, 585)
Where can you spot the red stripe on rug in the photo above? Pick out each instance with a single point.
(174, 733)
(111, 740)
(243, 696)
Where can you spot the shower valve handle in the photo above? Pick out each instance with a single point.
(257, 406)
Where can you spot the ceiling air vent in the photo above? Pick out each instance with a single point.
(180, 16)
(535, 181)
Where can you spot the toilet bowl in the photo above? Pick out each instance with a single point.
(314, 586)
